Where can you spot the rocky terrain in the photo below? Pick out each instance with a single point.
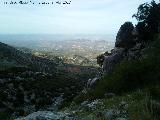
(29, 83)
(134, 105)
(128, 88)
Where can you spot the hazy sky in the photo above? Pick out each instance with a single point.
(80, 17)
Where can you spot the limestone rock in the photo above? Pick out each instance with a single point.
(92, 82)
(111, 61)
(47, 115)
(125, 38)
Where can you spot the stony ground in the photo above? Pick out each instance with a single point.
(128, 107)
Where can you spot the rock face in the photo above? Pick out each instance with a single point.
(112, 60)
(92, 82)
(125, 36)
(126, 47)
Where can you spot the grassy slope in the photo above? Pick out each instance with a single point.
(132, 106)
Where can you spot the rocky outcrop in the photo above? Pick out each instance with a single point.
(47, 115)
(92, 82)
(112, 60)
(125, 36)
(126, 47)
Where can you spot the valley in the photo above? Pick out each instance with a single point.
(71, 49)
(84, 77)
(33, 79)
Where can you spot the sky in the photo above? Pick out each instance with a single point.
(79, 17)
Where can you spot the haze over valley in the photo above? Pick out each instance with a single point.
(73, 49)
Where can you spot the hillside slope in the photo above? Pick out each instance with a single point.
(29, 83)
(132, 92)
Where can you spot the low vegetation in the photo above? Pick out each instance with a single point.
(130, 92)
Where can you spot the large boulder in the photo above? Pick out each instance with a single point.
(92, 82)
(43, 115)
(48, 115)
(125, 37)
(135, 52)
(125, 41)
(112, 60)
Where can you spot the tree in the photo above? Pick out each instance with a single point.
(148, 17)
(101, 58)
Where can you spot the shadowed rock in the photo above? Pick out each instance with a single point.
(111, 61)
(125, 37)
